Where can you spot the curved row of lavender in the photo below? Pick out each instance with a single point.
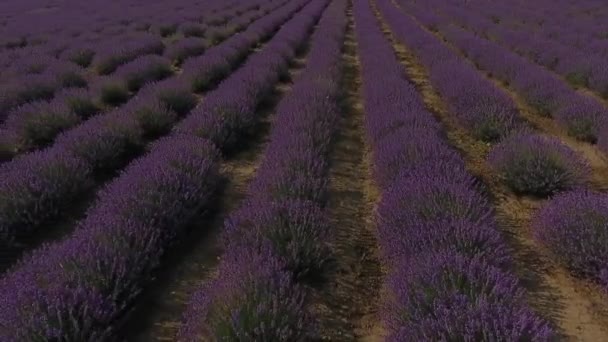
(48, 60)
(97, 27)
(33, 75)
(39, 186)
(229, 110)
(527, 163)
(572, 224)
(581, 115)
(36, 124)
(93, 17)
(279, 236)
(482, 108)
(579, 66)
(79, 289)
(578, 53)
(449, 276)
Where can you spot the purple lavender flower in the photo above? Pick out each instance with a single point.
(23, 180)
(573, 226)
(251, 300)
(583, 117)
(445, 296)
(38, 123)
(537, 165)
(143, 70)
(186, 48)
(295, 230)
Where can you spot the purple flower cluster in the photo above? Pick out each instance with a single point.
(573, 226)
(105, 263)
(278, 237)
(486, 111)
(229, 110)
(252, 299)
(28, 88)
(449, 276)
(22, 207)
(143, 70)
(102, 266)
(580, 114)
(204, 71)
(538, 165)
(108, 59)
(463, 299)
(185, 48)
(104, 144)
(36, 124)
(580, 64)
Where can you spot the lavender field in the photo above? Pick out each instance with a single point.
(303, 170)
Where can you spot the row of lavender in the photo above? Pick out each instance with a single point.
(39, 76)
(577, 55)
(581, 115)
(73, 19)
(39, 186)
(80, 288)
(449, 275)
(279, 236)
(36, 124)
(76, 31)
(532, 164)
(481, 108)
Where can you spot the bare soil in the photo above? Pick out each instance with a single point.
(575, 307)
(347, 305)
(194, 261)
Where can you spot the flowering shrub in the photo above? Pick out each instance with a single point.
(253, 299)
(537, 165)
(297, 232)
(22, 209)
(574, 227)
(445, 296)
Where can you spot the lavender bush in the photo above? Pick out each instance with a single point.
(573, 226)
(104, 142)
(537, 165)
(251, 300)
(109, 258)
(185, 48)
(583, 118)
(144, 70)
(286, 234)
(296, 230)
(22, 208)
(447, 297)
(429, 198)
(109, 59)
(448, 267)
(113, 92)
(38, 123)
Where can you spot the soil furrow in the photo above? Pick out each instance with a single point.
(195, 259)
(574, 306)
(347, 305)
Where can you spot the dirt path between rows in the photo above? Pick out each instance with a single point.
(574, 306)
(548, 126)
(581, 89)
(347, 305)
(194, 261)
